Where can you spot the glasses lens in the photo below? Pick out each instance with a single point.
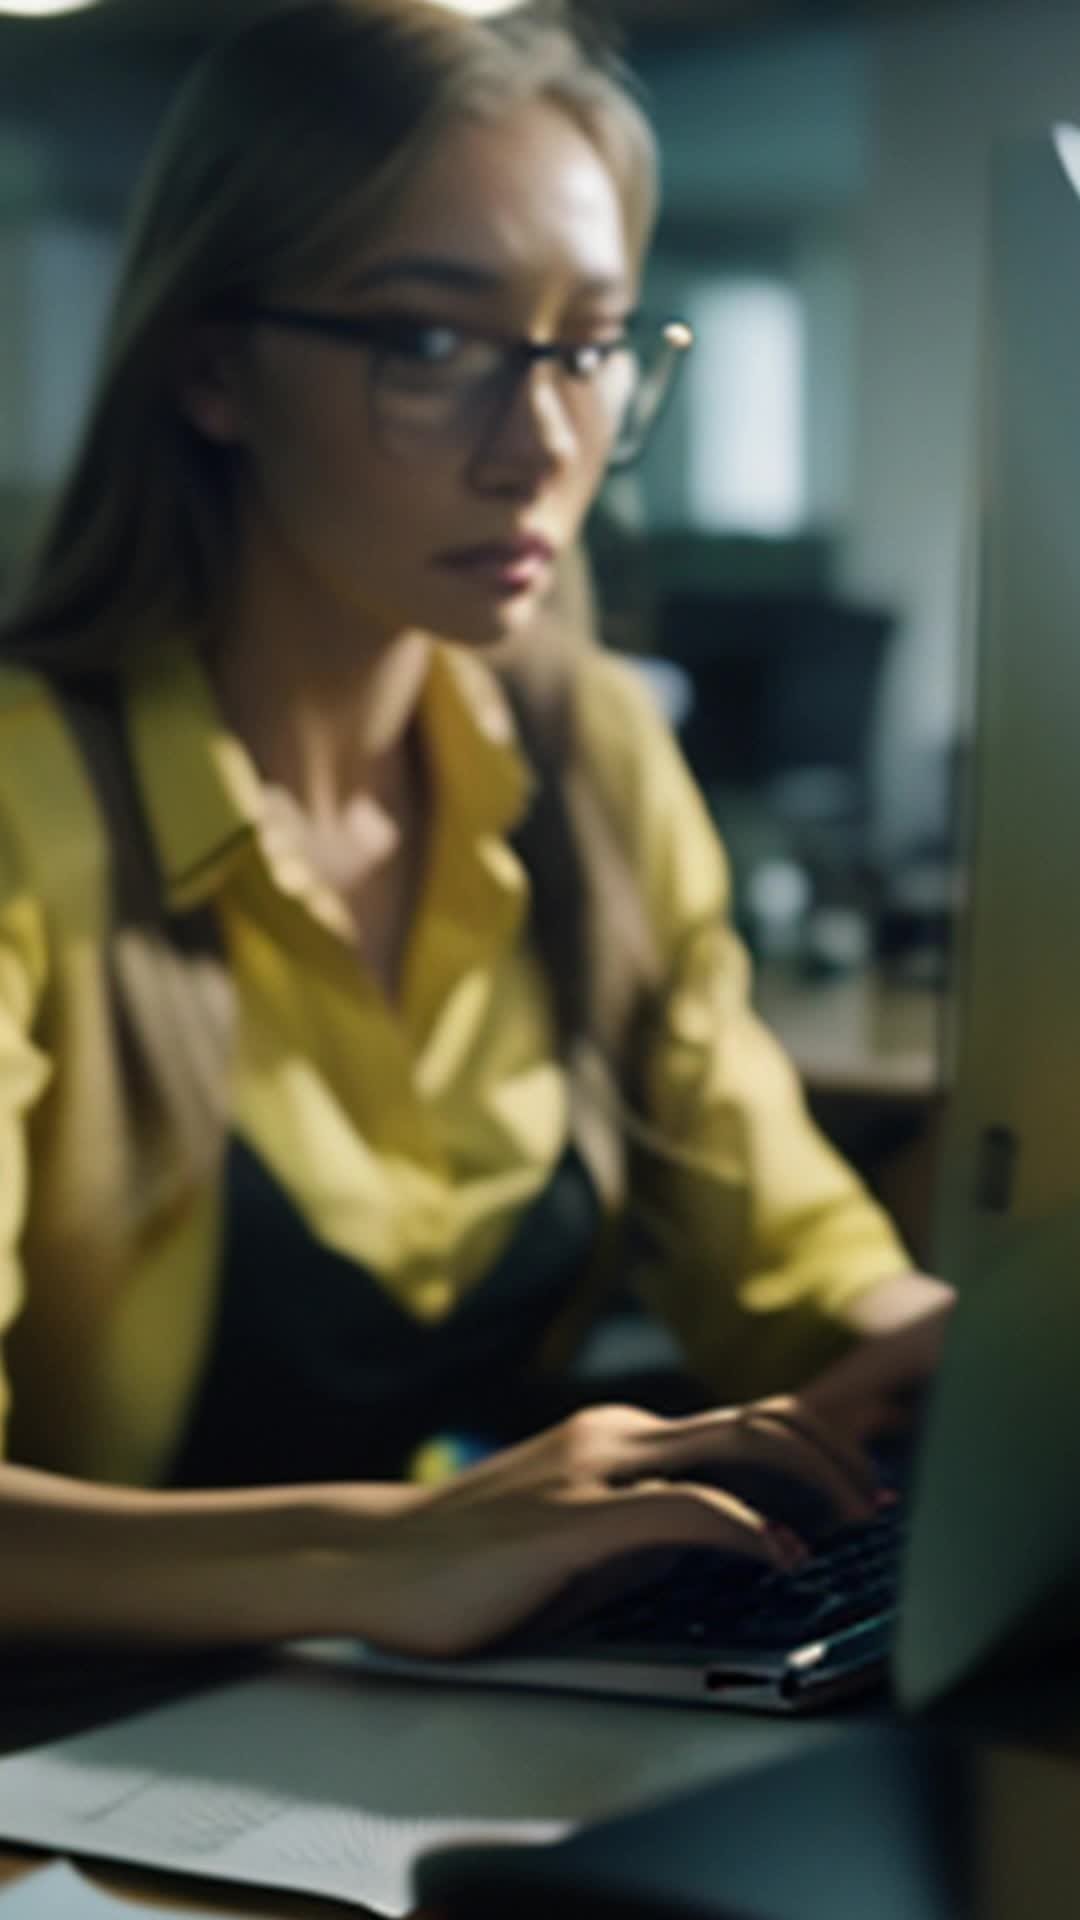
(659, 355)
(437, 384)
(423, 390)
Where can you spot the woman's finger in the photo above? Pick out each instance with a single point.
(781, 1446)
(652, 1513)
(761, 1438)
(834, 1440)
(707, 1435)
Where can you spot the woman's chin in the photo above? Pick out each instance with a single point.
(488, 625)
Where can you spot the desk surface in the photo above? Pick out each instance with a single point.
(717, 1745)
(860, 1035)
(897, 1823)
(1019, 1746)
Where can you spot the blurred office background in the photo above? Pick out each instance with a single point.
(795, 549)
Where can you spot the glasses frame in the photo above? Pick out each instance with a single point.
(381, 332)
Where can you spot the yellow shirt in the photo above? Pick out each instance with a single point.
(410, 1136)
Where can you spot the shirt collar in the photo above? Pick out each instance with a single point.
(199, 786)
(203, 795)
(480, 770)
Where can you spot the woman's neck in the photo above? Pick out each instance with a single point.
(324, 707)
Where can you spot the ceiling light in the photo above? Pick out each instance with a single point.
(479, 8)
(1067, 141)
(41, 9)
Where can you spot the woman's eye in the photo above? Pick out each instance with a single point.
(430, 346)
(429, 357)
(590, 356)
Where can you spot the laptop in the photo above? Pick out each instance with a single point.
(986, 1548)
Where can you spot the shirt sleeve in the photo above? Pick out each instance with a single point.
(754, 1234)
(24, 1072)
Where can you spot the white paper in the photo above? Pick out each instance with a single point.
(320, 1780)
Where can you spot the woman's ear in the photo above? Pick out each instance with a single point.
(209, 384)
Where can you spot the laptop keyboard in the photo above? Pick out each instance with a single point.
(853, 1576)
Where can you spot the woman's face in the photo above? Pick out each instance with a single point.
(394, 489)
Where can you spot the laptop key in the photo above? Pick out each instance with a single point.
(853, 1576)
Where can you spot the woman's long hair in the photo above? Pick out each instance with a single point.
(289, 143)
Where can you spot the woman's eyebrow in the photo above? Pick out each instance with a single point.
(458, 275)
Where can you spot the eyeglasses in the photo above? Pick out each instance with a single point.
(431, 383)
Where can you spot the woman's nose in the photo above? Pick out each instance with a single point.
(530, 435)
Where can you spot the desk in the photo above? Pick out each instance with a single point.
(860, 1036)
(1020, 1742)
(538, 1758)
(869, 1055)
(889, 1823)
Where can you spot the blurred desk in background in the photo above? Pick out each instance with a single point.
(859, 1035)
(869, 1055)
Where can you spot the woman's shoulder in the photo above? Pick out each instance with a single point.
(23, 697)
(619, 725)
(32, 725)
(615, 699)
(29, 717)
(21, 690)
(626, 736)
(50, 830)
(650, 791)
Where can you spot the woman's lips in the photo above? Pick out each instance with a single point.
(510, 567)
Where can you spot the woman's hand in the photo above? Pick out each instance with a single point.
(457, 1565)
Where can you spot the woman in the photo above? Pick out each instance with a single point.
(362, 941)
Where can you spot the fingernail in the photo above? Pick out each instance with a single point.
(789, 1545)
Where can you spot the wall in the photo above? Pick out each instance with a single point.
(871, 147)
(73, 131)
(55, 273)
(762, 127)
(765, 145)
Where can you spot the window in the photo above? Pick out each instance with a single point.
(747, 466)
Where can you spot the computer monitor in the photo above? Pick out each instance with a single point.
(996, 1543)
(1013, 1147)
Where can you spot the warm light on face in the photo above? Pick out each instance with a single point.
(43, 9)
